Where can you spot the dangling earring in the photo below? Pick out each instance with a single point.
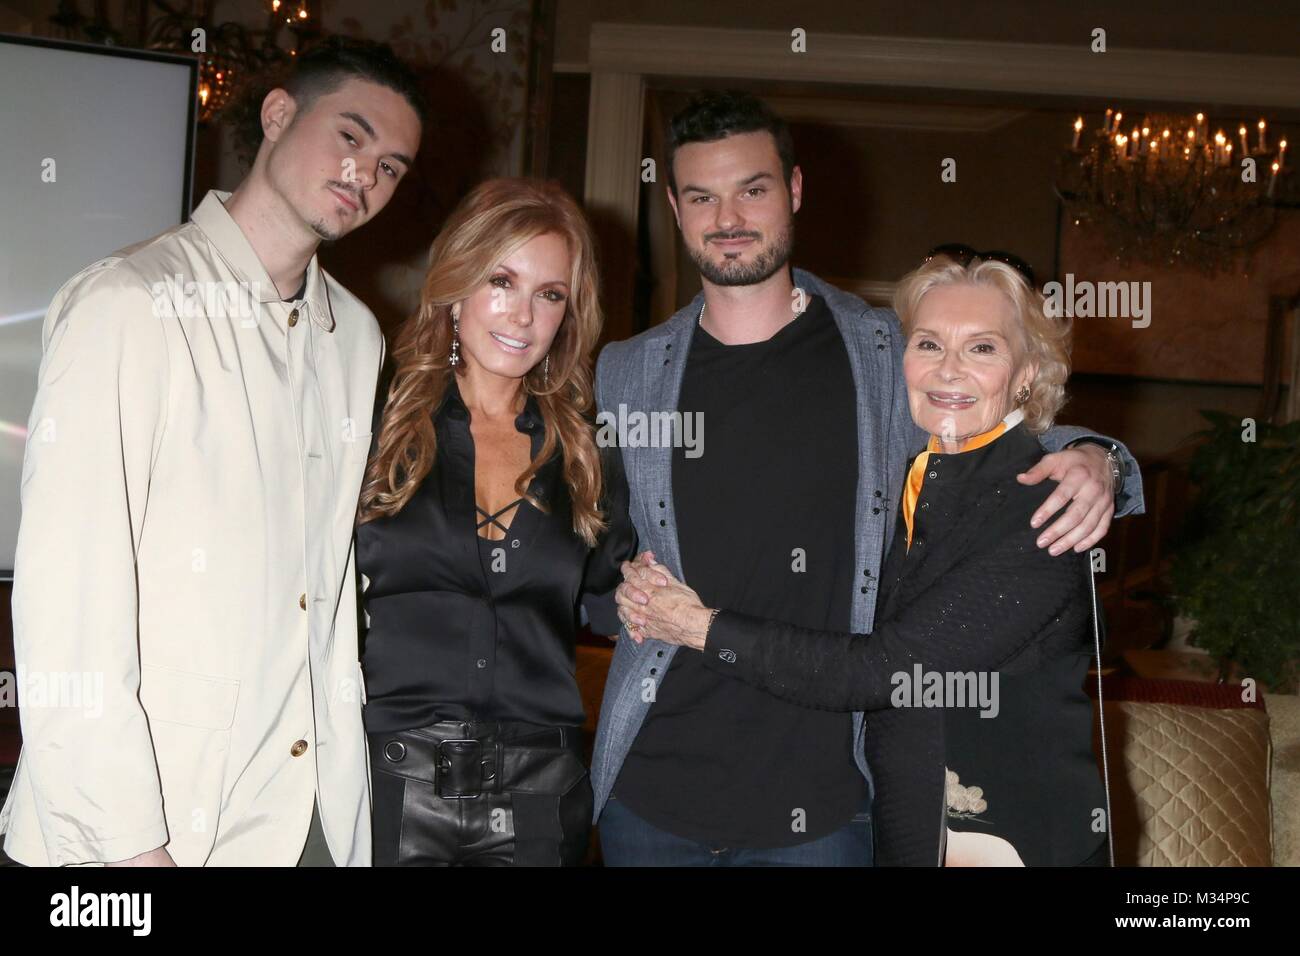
(1022, 396)
(546, 371)
(455, 338)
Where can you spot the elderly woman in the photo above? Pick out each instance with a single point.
(978, 731)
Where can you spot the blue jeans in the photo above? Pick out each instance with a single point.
(628, 840)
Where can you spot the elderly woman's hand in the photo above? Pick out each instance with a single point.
(653, 603)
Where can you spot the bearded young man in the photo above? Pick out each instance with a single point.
(189, 491)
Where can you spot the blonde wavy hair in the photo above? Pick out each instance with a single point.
(494, 220)
(1044, 340)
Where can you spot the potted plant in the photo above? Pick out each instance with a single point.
(1236, 572)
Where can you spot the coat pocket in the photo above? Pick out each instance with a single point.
(190, 720)
(182, 697)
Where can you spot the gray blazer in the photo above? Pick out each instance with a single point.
(644, 374)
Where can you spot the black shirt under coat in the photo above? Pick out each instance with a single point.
(765, 523)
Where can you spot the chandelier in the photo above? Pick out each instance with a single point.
(227, 52)
(1167, 192)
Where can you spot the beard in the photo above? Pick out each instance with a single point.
(327, 234)
(733, 272)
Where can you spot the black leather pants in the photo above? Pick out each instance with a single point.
(480, 794)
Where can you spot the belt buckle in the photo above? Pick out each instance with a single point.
(460, 769)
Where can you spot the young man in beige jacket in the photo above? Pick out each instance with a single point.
(189, 488)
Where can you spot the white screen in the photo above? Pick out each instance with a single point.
(117, 129)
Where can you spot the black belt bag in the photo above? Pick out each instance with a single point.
(463, 760)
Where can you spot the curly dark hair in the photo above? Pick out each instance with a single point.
(320, 70)
(712, 115)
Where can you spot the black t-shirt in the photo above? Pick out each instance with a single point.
(765, 521)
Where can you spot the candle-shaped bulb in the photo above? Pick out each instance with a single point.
(1078, 128)
(1262, 142)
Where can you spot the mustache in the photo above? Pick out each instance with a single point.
(742, 234)
(356, 194)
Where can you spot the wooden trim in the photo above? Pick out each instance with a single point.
(1035, 68)
(923, 116)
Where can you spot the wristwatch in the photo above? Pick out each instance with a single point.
(1118, 469)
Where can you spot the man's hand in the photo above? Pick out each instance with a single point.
(158, 857)
(1086, 483)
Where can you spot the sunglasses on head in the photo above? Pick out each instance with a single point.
(963, 255)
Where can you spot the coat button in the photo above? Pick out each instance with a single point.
(482, 663)
(302, 601)
(924, 505)
(299, 748)
(293, 318)
(932, 475)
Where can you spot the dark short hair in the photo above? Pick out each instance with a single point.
(716, 114)
(319, 71)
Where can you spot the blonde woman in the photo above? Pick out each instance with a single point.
(487, 513)
(978, 731)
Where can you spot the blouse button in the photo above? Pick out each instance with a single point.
(663, 524)
(659, 654)
(654, 670)
(661, 504)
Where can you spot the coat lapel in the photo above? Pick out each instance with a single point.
(664, 366)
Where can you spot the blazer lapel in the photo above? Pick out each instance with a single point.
(664, 366)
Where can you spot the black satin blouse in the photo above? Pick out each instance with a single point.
(462, 629)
